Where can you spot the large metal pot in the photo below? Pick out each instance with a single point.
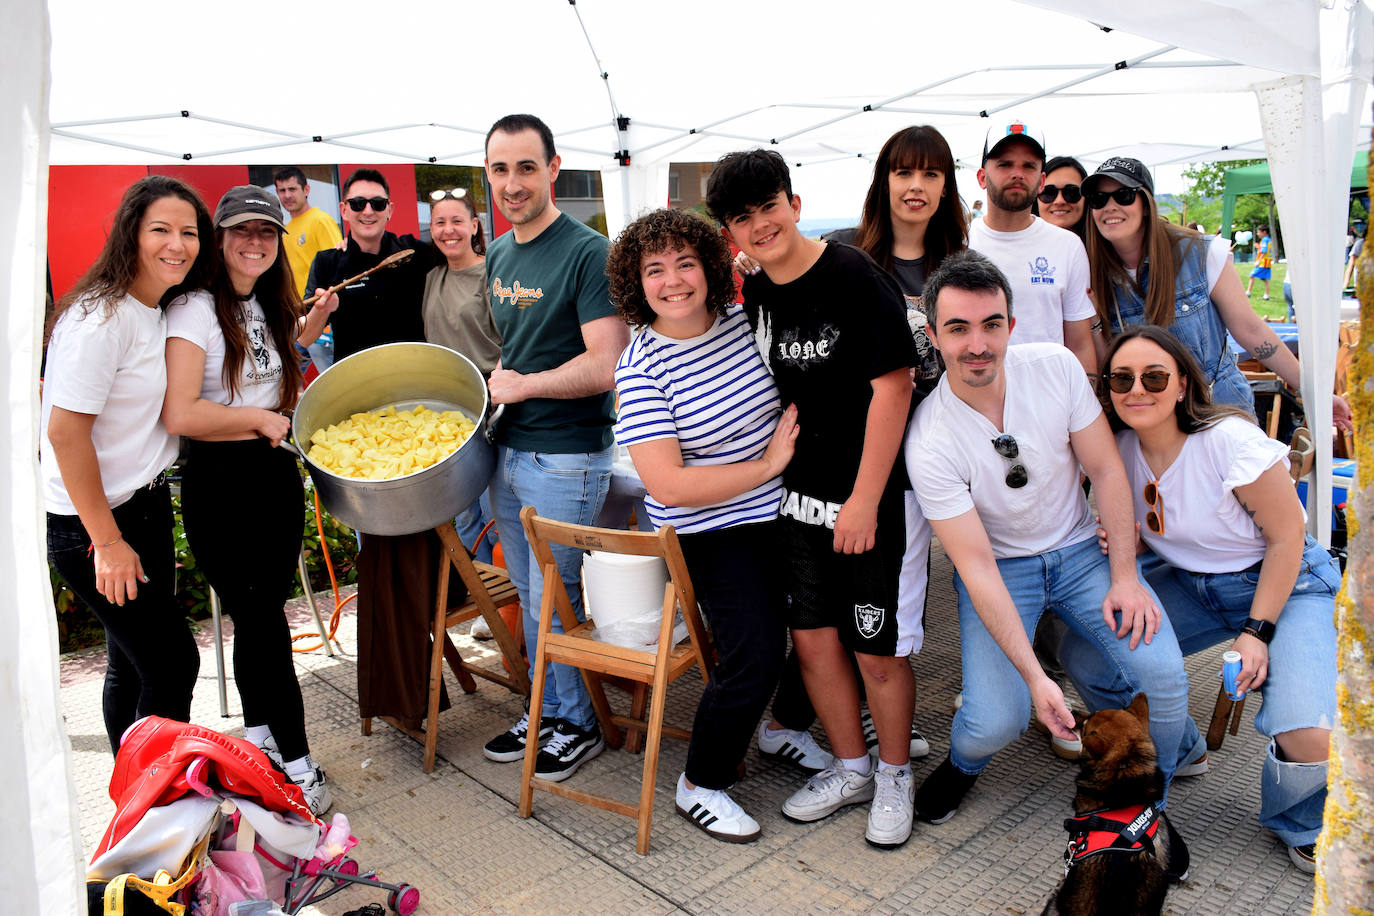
(404, 375)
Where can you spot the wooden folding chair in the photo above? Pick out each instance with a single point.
(489, 588)
(574, 646)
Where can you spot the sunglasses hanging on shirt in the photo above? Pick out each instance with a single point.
(1005, 445)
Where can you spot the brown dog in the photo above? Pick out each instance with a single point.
(1123, 853)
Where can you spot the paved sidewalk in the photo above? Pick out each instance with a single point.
(455, 835)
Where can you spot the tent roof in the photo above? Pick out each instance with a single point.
(718, 76)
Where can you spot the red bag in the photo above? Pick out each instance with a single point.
(150, 771)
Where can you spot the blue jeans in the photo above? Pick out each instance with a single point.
(1071, 583)
(469, 524)
(569, 488)
(1300, 690)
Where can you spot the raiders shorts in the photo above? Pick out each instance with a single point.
(876, 600)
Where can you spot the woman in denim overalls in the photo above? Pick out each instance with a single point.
(1200, 298)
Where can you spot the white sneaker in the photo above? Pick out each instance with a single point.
(889, 820)
(715, 812)
(919, 746)
(796, 748)
(317, 794)
(827, 792)
(1196, 768)
(269, 747)
(480, 629)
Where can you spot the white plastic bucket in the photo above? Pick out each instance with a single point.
(621, 587)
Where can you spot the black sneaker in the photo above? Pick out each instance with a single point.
(939, 796)
(567, 749)
(509, 746)
(1179, 860)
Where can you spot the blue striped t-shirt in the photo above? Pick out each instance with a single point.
(714, 395)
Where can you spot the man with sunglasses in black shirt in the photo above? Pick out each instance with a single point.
(1046, 265)
(994, 454)
(384, 307)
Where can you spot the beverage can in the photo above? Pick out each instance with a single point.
(1230, 670)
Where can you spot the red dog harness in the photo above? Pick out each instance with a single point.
(1130, 830)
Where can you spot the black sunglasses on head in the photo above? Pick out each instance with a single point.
(1153, 380)
(1072, 193)
(1123, 196)
(358, 204)
(1005, 445)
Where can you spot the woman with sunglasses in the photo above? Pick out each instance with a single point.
(232, 376)
(458, 316)
(1060, 201)
(105, 450)
(1226, 550)
(1146, 270)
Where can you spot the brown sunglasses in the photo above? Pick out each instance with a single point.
(1154, 519)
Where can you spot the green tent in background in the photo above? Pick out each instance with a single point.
(1254, 179)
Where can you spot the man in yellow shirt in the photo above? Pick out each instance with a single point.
(311, 230)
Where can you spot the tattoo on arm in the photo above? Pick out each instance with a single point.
(1250, 512)
(1265, 350)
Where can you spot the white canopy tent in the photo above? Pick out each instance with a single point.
(261, 82)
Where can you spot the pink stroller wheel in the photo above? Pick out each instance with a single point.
(404, 899)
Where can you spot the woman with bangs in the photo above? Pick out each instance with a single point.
(232, 378)
(1060, 201)
(106, 451)
(912, 220)
(1146, 270)
(708, 436)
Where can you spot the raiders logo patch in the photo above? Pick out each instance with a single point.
(868, 619)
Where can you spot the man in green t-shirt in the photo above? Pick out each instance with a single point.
(560, 341)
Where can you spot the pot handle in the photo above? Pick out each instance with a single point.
(489, 432)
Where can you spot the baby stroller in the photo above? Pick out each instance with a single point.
(206, 826)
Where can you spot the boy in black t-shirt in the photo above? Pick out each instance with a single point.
(840, 350)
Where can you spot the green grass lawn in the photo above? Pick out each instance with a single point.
(1275, 309)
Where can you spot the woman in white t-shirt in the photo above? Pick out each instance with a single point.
(1229, 556)
(232, 376)
(1146, 270)
(709, 439)
(105, 450)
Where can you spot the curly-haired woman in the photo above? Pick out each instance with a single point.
(708, 436)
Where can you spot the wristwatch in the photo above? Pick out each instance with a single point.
(1263, 630)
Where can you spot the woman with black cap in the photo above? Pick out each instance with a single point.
(232, 375)
(1146, 270)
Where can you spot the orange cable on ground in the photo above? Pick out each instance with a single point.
(334, 584)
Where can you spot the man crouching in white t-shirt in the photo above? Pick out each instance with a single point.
(994, 454)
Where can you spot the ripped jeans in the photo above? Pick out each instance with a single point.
(1300, 690)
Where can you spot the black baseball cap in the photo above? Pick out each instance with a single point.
(1016, 129)
(245, 202)
(1131, 173)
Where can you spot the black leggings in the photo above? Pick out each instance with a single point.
(151, 657)
(735, 574)
(244, 507)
